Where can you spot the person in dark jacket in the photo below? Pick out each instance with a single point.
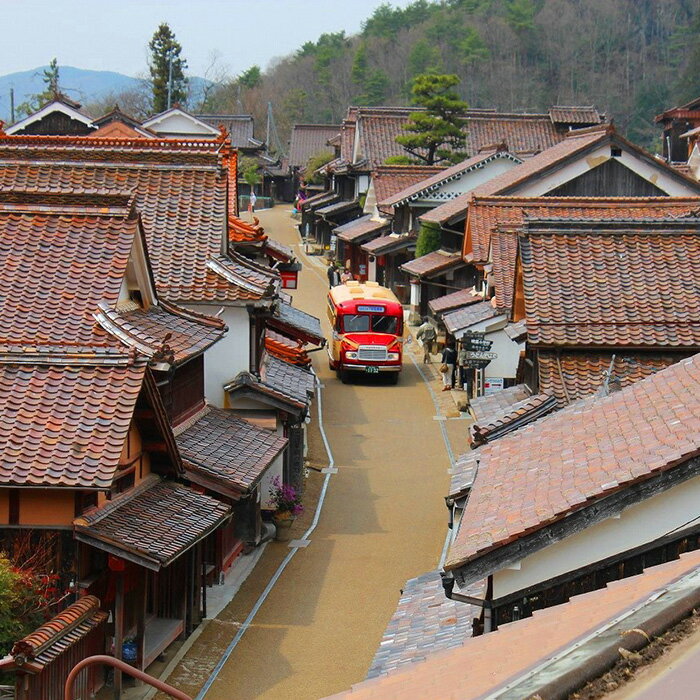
(449, 355)
(333, 275)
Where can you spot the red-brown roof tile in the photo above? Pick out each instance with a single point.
(218, 446)
(359, 229)
(164, 333)
(284, 348)
(65, 425)
(432, 263)
(485, 409)
(390, 179)
(240, 231)
(153, 524)
(307, 140)
(53, 638)
(484, 664)
(182, 190)
(455, 300)
(597, 284)
(550, 468)
(467, 316)
(572, 375)
(587, 116)
(391, 243)
(376, 131)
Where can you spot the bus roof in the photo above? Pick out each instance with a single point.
(358, 291)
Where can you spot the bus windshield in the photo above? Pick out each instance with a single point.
(363, 323)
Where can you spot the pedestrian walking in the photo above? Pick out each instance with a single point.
(251, 202)
(449, 356)
(333, 275)
(426, 336)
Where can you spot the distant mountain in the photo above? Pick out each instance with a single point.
(81, 85)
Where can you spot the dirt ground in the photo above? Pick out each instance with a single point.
(383, 522)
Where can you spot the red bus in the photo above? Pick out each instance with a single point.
(368, 330)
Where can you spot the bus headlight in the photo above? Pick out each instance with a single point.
(351, 355)
(392, 356)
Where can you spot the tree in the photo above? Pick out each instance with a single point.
(436, 134)
(50, 76)
(399, 160)
(250, 78)
(249, 170)
(428, 240)
(166, 66)
(315, 162)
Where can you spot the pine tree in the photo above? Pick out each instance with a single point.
(438, 133)
(164, 49)
(51, 91)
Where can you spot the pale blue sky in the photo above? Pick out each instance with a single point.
(113, 35)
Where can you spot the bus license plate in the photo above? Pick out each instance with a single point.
(372, 370)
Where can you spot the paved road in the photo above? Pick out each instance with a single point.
(383, 522)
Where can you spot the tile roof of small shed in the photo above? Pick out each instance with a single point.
(239, 126)
(386, 244)
(65, 425)
(455, 300)
(295, 382)
(297, 323)
(390, 179)
(357, 230)
(632, 284)
(152, 524)
(309, 139)
(467, 316)
(286, 349)
(225, 448)
(568, 460)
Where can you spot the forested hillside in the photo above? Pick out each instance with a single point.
(631, 58)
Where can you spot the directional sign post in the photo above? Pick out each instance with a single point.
(481, 355)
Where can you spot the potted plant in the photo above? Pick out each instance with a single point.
(287, 502)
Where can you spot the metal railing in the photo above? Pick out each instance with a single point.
(119, 665)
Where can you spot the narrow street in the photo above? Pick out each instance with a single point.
(383, 522)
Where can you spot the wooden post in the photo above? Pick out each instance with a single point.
(118, 630)
(142, 597)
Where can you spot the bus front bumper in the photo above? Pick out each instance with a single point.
(372, 368)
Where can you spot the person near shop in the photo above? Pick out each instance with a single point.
(449, 357)
(333, 275)
(462, 368)
(426, 336)
(346, 276)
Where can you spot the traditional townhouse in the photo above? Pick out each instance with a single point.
(59, 116)
(680, 133)
(590, 494)
(305, 142)
(92, 476)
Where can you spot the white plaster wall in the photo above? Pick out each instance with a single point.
(231, 355)
(638, 525)
(656, 175)
(179, 124)
(274, 470)
(466, 183)
(506, 364)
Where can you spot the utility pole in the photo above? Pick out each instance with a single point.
(12, 105)
(170, 76)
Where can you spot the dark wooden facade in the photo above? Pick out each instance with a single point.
(56, 124)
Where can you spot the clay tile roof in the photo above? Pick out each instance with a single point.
(467, 316)
(57, 262)
(240, 231)
(550, 468)
(65, 425)
(181, 190)
(294, 382)
(53, 638)
(425, 621)
(429, 183)
(218, 445)
(485, 409)
(477, 668)
(164, 333)
(279, 251)
(390, 179)
(631, 285)
(455, 300)
(518, 415)
(234, 278)
(516, 331)
(432, 263)
(376, 130)
(152, 524)
(297, 323)
(391, 243)
(583, 116)
(570, 376)
(284, 348)
(359, 229)
(239, 127)
(309, 139)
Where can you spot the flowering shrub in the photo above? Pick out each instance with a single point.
(285, 498)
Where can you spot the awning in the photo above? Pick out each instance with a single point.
(297, 324)
(433, 263)
(226, 453)
(152, 524)
(394, 242)
(360, 229)
(467, 316)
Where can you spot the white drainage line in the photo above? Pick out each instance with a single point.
(263, 596)
(448, 447)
